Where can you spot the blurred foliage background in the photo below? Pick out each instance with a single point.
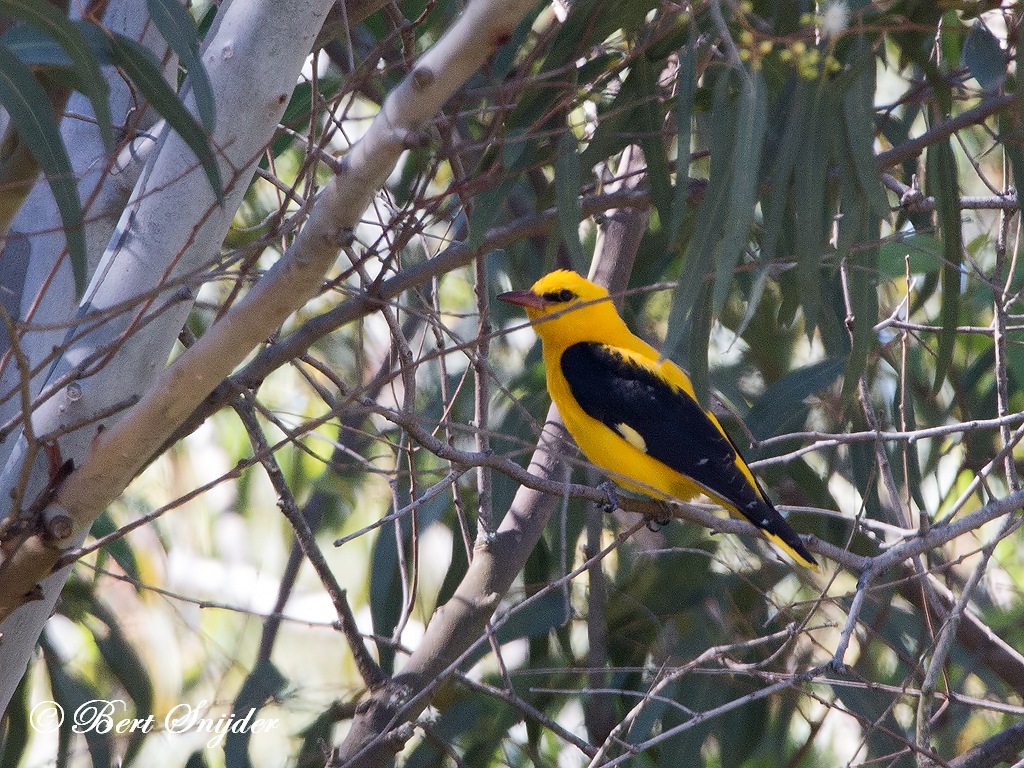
(829, 244)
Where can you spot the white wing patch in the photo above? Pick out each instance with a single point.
(631, 436)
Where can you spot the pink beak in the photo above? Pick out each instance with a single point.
(522, 299)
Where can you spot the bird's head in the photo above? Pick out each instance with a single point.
(562, 304)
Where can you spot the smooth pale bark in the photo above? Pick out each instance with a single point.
(34, 270)
(186, 227)
(171, 229)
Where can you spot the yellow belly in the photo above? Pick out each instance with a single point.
(624, 463)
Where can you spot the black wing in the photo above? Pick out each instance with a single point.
(615, 390)
(676, 431)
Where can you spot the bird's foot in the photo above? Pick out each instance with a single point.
(611, 502)
(656, 522)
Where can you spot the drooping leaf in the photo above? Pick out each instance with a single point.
(126, 665)
(909, 466)
(743, 183)
(72, 693)
(984, 58)
(697, 260)
(651, 120)
(775, 204)
(90, 81)
(17, 725)
(686, 84)
(781, 408)
(297, 114)
(811, 175)
(179, 30)
(952, 33)
(263, 683)
(143, 70)
(942, 182)
(919, 248)
(567, 194)
(533, 620)
(858, 109)
(31, 113)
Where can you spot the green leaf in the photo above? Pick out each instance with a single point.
(179, 30)
(118, 548)
(14, 736)
(781, 408)
(137, 63)
(33, 47)
(984, 58)
(865, 472)
(710, 220)
(686, 85)
(143, 70)
(651, 123)
(811, 233)
(923, 250)
(72, 693)
(298, 112)
(941, 182)
(567, 196)
(908, 464)
(952, 33)
(858, 228)
(32, 116)
(774, 205)
(697, 340)
(538, 618)
(89, 80)
(858, 109)
(128, 668)
(743, 183)
(262, 684)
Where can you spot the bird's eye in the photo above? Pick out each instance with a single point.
(559, 297)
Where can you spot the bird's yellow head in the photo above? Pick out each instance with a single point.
(566, 307)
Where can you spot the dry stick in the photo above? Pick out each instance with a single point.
(831, 440)
(121, 451)
(24, 390)
(528, 710)
(945, 129)
(481, 400)
(454, 257)
(949, 629)
(372, 675)
(619, 236)
(913, 545)
(995, 750)
(388, 711)
(650, 695)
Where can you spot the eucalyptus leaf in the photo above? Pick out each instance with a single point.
(781, 408)
(743, 183)
(812, 223)
(139, 64)
(567, 194)
(984, 58)
(942, 182)
(686, 85)
(859, 113)
(179, 30)
(47, 18)
(31, 114)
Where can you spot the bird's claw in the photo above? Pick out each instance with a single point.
(656, 523)
(611, 502)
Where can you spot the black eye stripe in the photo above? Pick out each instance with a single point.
(559, 297)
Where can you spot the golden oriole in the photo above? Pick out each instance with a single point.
(633, 413)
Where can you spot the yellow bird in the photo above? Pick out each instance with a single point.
(633, 413)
